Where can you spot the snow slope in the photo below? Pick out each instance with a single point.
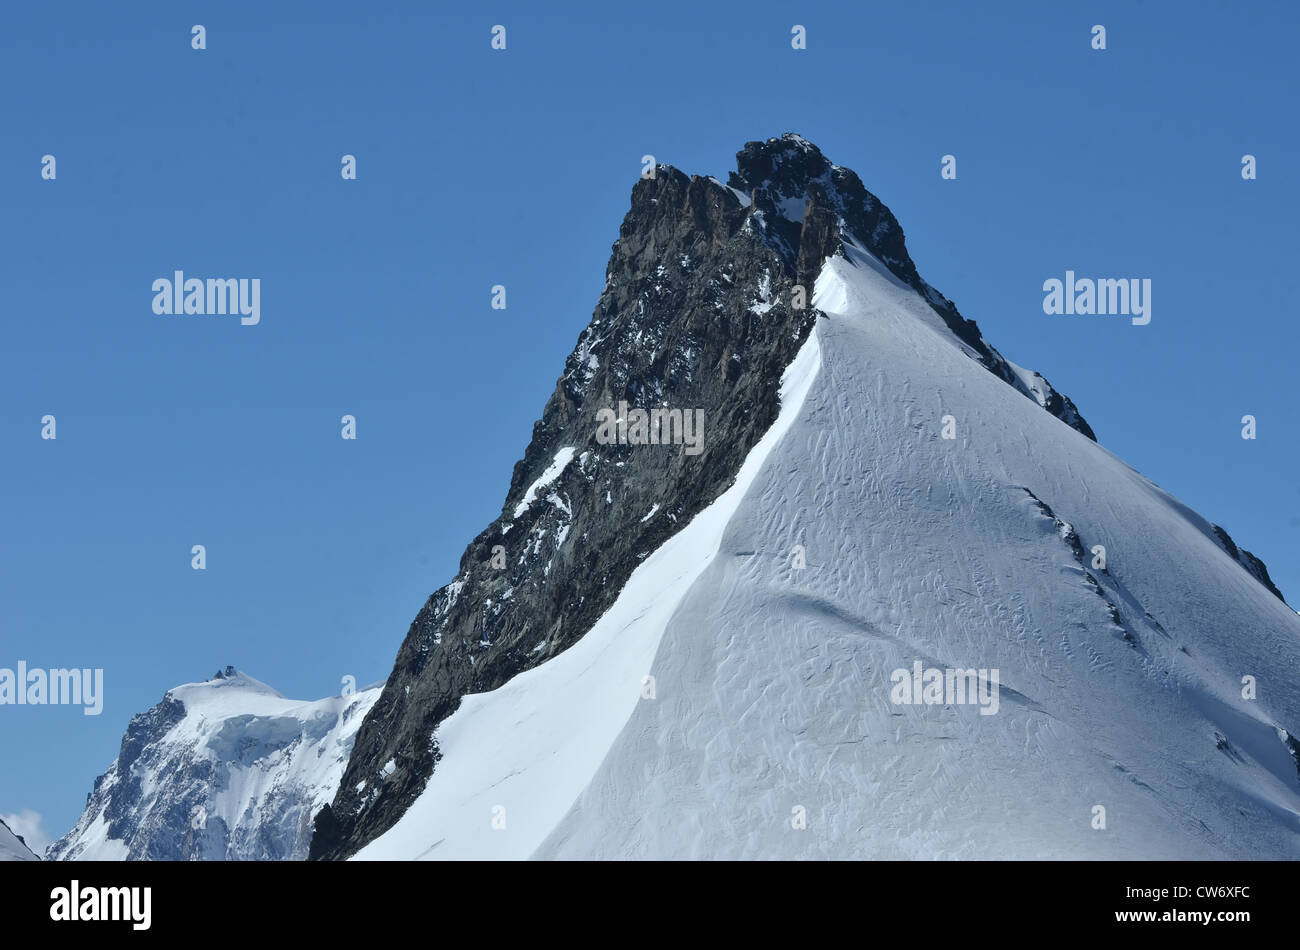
(1120, 689)
(12, 847)
(531, 746)
(227, 769)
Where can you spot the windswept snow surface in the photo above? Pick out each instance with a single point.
(1120, 689)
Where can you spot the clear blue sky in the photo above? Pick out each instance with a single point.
(478, 167)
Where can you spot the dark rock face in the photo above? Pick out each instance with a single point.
(703, 308)
(139, 756)
(1294, 747)
(1253, 565)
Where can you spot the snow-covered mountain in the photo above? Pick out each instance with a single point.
(227, 769)
(705, 306)
(12, 847)
(711, 655)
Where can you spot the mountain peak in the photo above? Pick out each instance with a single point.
(788, 179)
(708, 300)
(225, 769)
(226, 680)
(790, 162)
(878, 491)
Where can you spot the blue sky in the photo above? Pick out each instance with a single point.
(477, 168)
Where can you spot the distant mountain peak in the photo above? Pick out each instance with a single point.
(232, 679)
(225, 769)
